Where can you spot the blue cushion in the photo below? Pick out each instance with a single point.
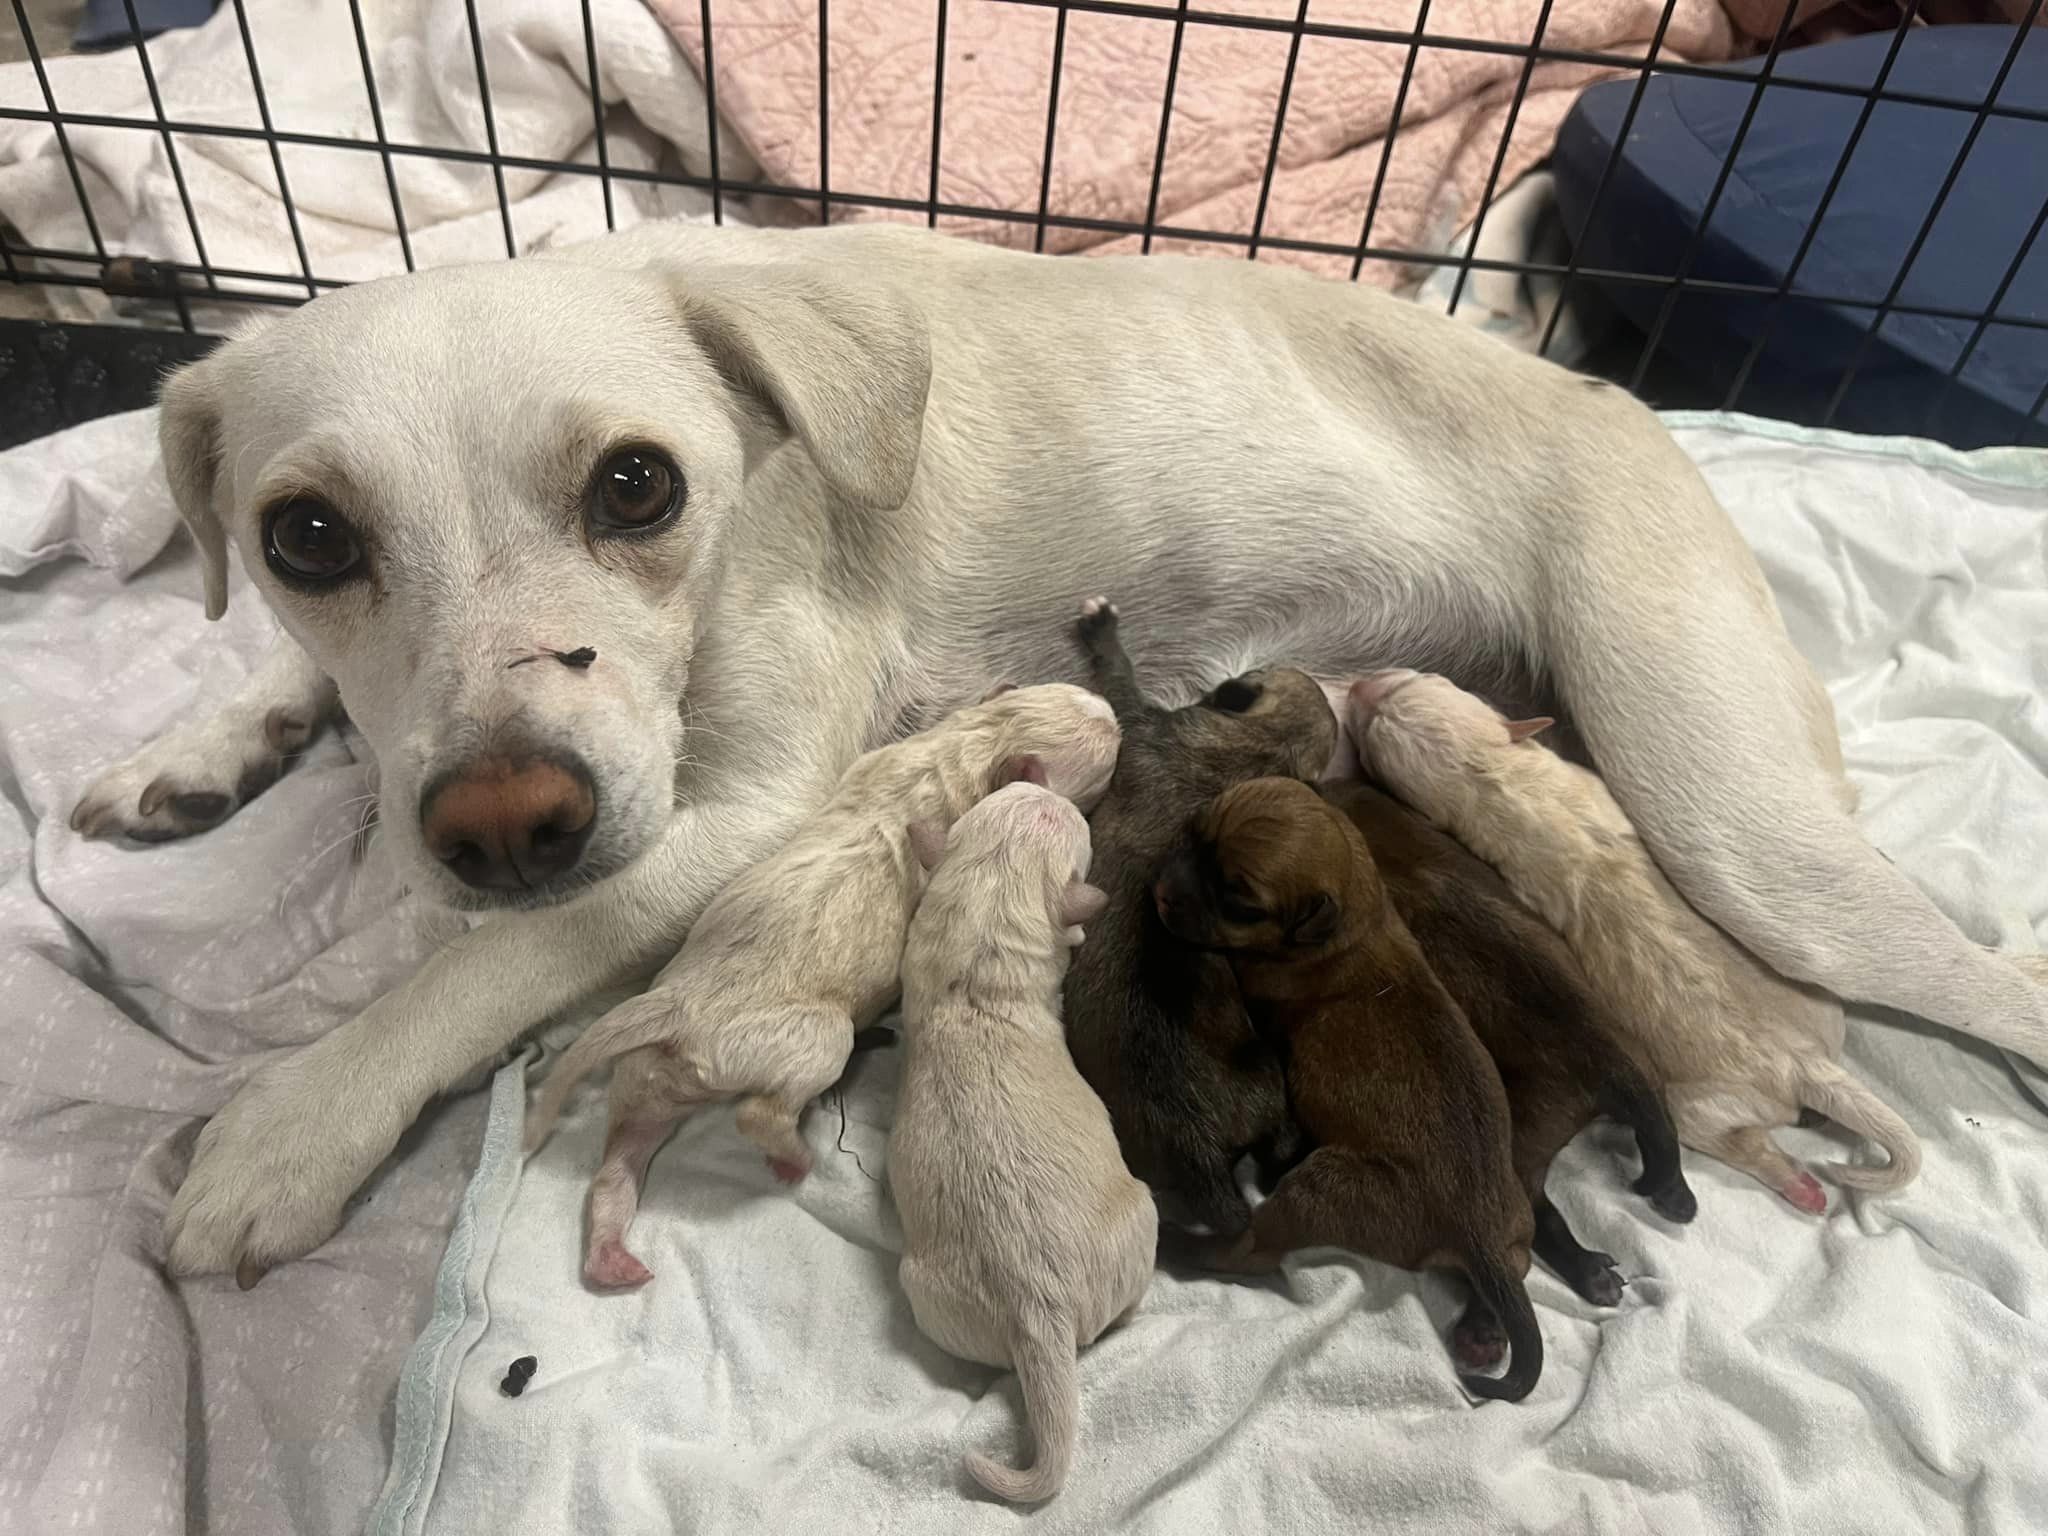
(1676, 146)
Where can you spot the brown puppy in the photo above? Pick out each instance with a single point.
(1413, 1163)
(1560, 1056)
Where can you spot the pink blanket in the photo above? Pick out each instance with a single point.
(1226, 95)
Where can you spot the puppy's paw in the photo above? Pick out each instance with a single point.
(1099, 608)
(789, 1170)
(1478, 1342)
(1674, 1201)
(1097, 627)
(611, 1268)
(1598, 1280)
(190, 779)
(273, 1170)
(1803, 1191)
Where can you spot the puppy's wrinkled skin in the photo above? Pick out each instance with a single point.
(904, 455)
(1024, 1236)
(1738, 1049)
(1560, 1055)
(1412, 1163)
(1156, 1027)
(801, 951)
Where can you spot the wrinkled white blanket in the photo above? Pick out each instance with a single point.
(1883, 1371)
(423, 63)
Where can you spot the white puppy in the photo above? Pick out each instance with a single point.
(1024, 1236)
(618, 556)
(1737, 1049)
(802, 950)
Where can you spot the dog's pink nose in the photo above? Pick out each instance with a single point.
(508, 824)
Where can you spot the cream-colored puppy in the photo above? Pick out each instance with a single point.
(1738, 1049)
(788, 961)
(1024, 1236)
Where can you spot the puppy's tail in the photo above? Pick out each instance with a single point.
(1502, 1289)
(643, 1020)
(1046, 1365)
(1848, 1101)
(1630, 1098)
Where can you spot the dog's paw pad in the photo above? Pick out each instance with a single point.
(1600, 1282)
(1098, 610)
(611, 1268)
(788, 1169)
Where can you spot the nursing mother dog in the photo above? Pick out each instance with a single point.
(617, 557)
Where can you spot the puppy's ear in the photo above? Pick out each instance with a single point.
(998, 691)
(188, 433)
(843, 364)
(1026, 769)
(1522, 730)
(1081, 902)
(1316, 921)
(928, 842)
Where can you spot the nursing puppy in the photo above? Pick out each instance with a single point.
(788, 961)
(1024, 1237)
(1155, 1027)
(1413, 1162)
(1738, 1049)
(1558, 1050)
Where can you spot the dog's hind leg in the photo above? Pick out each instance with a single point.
(201, 772)
(629, 1146)
(1712, 733)
(770, 1121)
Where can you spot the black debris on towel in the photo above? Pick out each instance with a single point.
(518, 1375)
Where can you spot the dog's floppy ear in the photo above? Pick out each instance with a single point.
(1025, 769)
(1522, 730)
(188, 433)
(845, 364)
(1316, 922)
(928, 842)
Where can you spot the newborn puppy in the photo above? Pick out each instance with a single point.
(1559, 1052)
(1024, 1237)
(802, 950)
(1412, 1163)
(1155, 1027)
(1737, 1049)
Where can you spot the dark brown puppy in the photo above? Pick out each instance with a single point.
(1412, 1164)
(1526, 998)
(1155, 1026)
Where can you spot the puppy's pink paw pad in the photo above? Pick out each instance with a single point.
(1805, 1192)
(611, 1268)
(787, 1170)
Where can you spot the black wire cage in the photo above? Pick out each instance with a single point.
(1909, 340)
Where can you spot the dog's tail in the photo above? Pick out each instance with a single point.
(643, 1020)
(1632, 1100)
(1044, 1354)
(1848, 1101)
(1502, 1289)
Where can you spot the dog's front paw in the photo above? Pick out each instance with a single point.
(190, 779)
(273, 1170)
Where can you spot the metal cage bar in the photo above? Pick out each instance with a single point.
(27, 262)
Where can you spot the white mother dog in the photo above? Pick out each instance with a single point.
(800, 492)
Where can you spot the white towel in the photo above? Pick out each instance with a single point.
(1879, 1371)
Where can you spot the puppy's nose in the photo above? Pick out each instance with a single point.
(509, 824)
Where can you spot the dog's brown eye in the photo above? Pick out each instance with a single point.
(308, 543)
(636, 489)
